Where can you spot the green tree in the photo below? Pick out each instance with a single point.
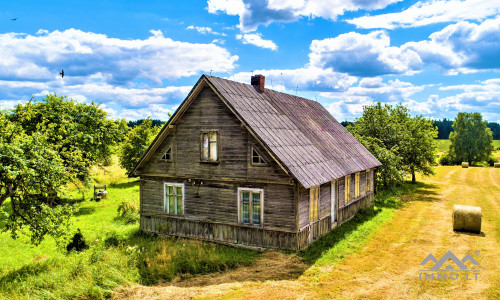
(31, 174)
(136, 143)
(403, 144)
(82, 133)
(472, 140)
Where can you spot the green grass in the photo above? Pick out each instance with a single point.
(118, 254)
(444, 145)
(352, 235)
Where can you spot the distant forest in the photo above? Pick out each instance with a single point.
(444, 128)
(156, 122)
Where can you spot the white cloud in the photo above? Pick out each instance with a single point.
(462, 47)
(256, 40)
(425, 13)
(83, 54)
(363, 55)
(253, 13)
(305, 79)
(204, 30)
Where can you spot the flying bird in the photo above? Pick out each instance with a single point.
(62, 73)
(13, 19)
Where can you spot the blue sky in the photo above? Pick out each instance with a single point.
(141, 58)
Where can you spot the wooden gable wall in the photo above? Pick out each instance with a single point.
(216, 198)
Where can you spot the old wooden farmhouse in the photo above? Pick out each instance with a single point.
(241, 164)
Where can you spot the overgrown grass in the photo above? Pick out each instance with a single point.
(118, 254)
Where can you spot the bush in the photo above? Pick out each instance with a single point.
(78, 243)
(128, 211)
(447, 160)
(491, 160)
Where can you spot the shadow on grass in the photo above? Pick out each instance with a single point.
(481, 234)
(25, 272)
(319, 247)
(124, 185)
(84, 211)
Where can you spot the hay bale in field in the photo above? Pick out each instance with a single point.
(465, 165)
(467, 218)
(496, 165)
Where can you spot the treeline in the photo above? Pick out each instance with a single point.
(154, 122)
(444, 127)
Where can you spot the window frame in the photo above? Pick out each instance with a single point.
(314, 203)
(251, 190)
(165, 206)
(252, 149)
(208, 131)
(347, 189)
(165, 153)
(357, 192)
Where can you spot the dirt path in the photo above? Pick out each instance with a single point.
(388, 266)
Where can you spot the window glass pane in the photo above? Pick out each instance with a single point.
(256, 197)
(245, 213)
(170, 190)
(179, 205)
(245, 196)
(171, 204)
(178, 190)
(213, 136)
(256, 214)
(205, 146)
(213, 151)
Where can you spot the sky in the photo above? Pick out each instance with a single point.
(140, 59)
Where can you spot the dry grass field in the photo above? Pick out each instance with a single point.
(387, 265)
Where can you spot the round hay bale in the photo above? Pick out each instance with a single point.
(497, 165)
(465, 165)
(467, 218)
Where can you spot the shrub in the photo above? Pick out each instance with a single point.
(447, 160)
(78, 243)
(491, 160)
(128, 211)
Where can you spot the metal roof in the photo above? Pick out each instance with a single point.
(301, 133)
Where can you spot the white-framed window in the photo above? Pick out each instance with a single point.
(356, 185)
(251, 206)
(168, 154)
(347, 190)
(173, 202)
(209, 146)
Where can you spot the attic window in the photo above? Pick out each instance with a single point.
(256, 158)
(168, 154)
(209, 146)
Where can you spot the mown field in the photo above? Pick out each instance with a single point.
(444, 145)
(379, 256)
(375, 255)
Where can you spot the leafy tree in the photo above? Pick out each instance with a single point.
(404, 145)
(136, 143)
(472, 140)
(418, 149)
(82, 133)
(31, 173)
(43, 146)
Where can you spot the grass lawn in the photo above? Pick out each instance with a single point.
(444, 145)
(118, 253)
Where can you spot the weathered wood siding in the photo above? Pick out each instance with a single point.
(208, 112)
(217, 201)
(220, 232)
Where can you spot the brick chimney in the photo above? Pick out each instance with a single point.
(259, 81)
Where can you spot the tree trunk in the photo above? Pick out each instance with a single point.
(413, 179)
